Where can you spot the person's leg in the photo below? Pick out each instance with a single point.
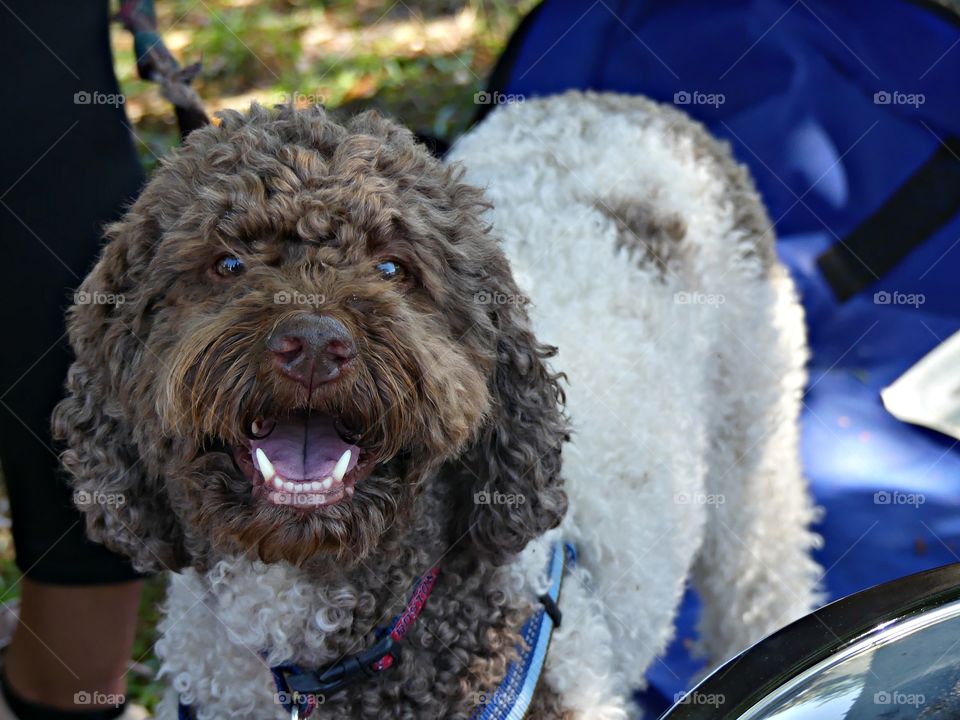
(67, 167)
(71, 649)
(78, 602)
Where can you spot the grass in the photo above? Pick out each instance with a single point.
(421, 62)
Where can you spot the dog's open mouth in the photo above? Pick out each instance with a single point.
(301, 460)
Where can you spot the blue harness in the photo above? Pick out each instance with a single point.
(511, 700)
(298, 690)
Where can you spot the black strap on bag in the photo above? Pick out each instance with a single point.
(157, 64)
(918, 208)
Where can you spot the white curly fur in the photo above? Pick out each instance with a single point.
(685, 451)
(684, 456)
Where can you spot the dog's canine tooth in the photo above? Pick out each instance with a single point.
(255, 427)
(340, 469)
(266, 467)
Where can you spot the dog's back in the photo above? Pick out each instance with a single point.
(650, 263)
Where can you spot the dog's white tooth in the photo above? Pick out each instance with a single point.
(278, 482)
(289, 486)
(316, 486)
(340, 469)
(349, 490)
(255, 427)
(327, 483)
(266, 467)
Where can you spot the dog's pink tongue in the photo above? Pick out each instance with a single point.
(304, 447)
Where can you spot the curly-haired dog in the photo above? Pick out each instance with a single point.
(323, 381)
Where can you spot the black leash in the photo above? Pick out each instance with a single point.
(156, 63)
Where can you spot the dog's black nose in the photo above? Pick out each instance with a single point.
(311, 349)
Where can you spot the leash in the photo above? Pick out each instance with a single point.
(301, 691)
(156, 63)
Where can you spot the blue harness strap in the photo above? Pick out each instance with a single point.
(184, 712)
(511, 700)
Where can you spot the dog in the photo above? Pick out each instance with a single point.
(322, 398)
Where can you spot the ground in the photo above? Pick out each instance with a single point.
(422, 62)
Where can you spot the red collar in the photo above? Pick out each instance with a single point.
(303, 690)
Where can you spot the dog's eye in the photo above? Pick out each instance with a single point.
(389, 269)
(228, 266)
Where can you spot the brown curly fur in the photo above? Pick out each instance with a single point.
(453, 396)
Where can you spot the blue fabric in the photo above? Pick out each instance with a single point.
(798, 81)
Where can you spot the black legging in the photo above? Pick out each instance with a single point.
(68, 168)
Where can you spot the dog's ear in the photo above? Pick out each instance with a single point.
(115, 480)
(513, 469)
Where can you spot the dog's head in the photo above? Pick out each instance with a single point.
(298, 329)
